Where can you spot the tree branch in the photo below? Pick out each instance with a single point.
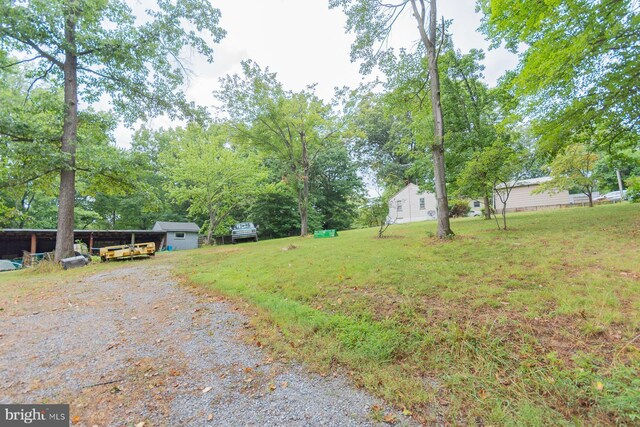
(22, 62)
(41, 77)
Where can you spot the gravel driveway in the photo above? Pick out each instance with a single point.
(129, 347)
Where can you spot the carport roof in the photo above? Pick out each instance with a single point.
(105, 233)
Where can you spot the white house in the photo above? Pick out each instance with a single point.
(521, 197)
(411, 205)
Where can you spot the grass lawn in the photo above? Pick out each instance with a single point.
(538, 325)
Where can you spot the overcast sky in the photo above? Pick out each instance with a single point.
(304, 42)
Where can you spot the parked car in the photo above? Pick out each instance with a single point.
(244, 230)
(613, 196)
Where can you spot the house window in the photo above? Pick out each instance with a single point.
(399, 205)
(422, 204)
(476, 203)
(179, 235)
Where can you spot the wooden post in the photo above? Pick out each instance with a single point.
(91, 244)
(34, 241)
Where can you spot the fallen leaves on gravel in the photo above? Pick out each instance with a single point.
(390, 419)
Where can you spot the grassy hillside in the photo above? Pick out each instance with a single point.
(534, 326)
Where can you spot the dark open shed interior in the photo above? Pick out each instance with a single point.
(14, 242)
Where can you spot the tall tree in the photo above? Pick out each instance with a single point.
(573, 168)
(379, 138)
(471, 112)
(97, 48)
(372, 21)
(496, 169)
(212, 176)
(292, 126)
(336, 188)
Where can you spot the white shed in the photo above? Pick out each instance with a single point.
(522, 198)
(412, 205)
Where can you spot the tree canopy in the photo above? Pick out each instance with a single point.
(578, 63)
(98, 48)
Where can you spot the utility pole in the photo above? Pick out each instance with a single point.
(620, 184)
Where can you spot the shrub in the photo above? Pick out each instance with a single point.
(633, 189)
(458, 208)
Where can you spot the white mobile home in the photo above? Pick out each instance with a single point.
(521, 197)
(411, 205)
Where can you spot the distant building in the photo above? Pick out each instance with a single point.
(521, 197)
(180, 235)
(476, 207)
(412, 205)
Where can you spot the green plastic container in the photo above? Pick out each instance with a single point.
(325, 233)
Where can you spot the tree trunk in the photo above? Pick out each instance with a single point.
(210, 231)
(487, 207)
(504, 214)
(66, 200)
(303, 199)
(437, 149)
(591, 199)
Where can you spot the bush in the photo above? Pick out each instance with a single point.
(633, 189)
(458, 208)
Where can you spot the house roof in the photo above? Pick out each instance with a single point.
(407, 186)
(528, 182)
(176, 226)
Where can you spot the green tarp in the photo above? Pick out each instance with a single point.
(325, 233)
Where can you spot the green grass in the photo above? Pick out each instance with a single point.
(532, 326)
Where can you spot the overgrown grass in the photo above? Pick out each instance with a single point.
(532, 326)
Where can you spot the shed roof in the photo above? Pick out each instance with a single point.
(176, 226)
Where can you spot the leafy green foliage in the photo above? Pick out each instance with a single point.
(100, 48)
(292, 128)
(633, 189)
(336, 188)
(625, 161)
(458, 208)
(275, 210)
(213, 177)
(579, 64)
(573, 168)
(135, 61)
(495, 169)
